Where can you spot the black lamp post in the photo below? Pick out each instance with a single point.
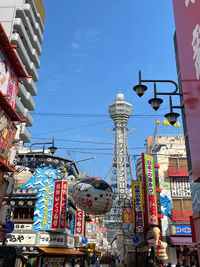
(156, 101)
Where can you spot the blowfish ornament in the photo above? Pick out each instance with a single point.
(93, 196)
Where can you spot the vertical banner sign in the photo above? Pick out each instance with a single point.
(79, 222)
(138, 206)
(8, 80)
(151, 213)
(56, 205)
(187, 21)
(127, 215)
(63, 205)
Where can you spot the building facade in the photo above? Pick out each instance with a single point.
(23, 21)
(175, 196)
(186, 43)
(43, 213)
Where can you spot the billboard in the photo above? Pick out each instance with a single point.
(150, 198)
(187, 21)
(59, 205)
(138, 206)
(8, 80)
(79, 224)
(43, 179)
(127, 215)
(180, 230)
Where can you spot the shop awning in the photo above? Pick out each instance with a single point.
(177, 240)
(61, 251)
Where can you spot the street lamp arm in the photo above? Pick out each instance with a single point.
(47, 143)
(175, 92)
(164, 81)
(30, 147)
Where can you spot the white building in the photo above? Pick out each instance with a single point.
(23, 22)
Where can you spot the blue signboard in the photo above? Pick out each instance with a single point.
(8, 228)
(43, 179)
(180, 229)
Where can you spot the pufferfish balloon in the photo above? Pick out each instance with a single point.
(93, 196)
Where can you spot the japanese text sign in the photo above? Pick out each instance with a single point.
(63, 205)
(59, 205)
(187, 21)
(79, 221)
(180, 230)
(138, 205)
(151, 213)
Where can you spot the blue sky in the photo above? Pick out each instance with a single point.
(93, 50)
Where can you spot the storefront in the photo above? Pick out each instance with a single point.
(59, 257)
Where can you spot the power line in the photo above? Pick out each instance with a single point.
(81, 115)
(75, 141)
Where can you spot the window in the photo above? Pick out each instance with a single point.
(177, 162)
(182, 209)
(23, 214)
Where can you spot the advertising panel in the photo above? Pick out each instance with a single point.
(42, 180)
(7, 139)
(8, 80)
(63, 205)
(180, 230)
(56, 205)
(127, 215)
(21, 239)
(138, 206)
(59, 205)
(79, 221)
(187, 21)
(91, 230)
(151, 213)
(51, 240)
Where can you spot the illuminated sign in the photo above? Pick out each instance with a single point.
(180, 229)
(138, 206)
(151, 213)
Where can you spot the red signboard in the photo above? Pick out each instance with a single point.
(63, 205)
(79, 222)
(56, 205)
(187, 20)
(59, 205)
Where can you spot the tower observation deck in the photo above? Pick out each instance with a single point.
(121, 172)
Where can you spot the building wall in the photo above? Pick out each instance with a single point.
(24, 26)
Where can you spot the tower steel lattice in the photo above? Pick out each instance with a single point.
(121, 172)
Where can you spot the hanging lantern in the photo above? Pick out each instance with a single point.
(93, 196)
(178, 124)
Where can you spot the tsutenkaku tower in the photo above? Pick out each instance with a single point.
(121, 173)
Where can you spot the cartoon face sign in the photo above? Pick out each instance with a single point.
(93, 196)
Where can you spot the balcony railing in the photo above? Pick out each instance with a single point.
(181, 215)
(177, 171)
